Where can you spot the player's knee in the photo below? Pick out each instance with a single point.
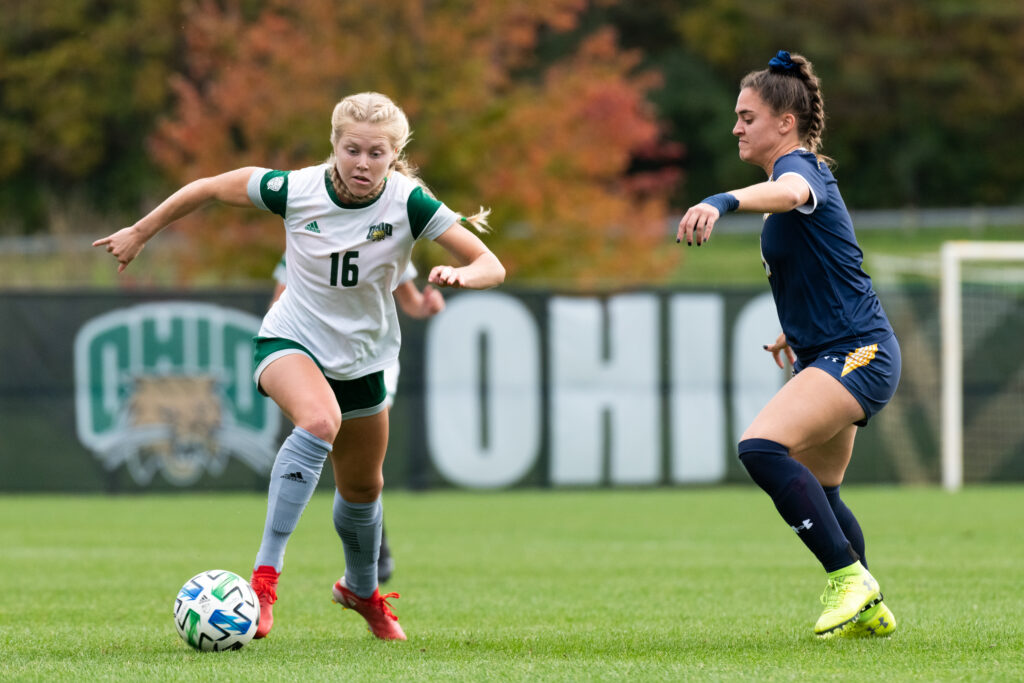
(758, 455)
(323, 425)
(751, 445)
(767, 463)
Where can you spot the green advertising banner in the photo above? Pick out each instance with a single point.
(153, 391)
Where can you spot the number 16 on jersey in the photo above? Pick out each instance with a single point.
(348, 267)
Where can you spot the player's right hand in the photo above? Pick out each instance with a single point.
(697, 223)
(124, 245)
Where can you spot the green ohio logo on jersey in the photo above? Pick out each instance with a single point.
(168, 387)
(379, 232)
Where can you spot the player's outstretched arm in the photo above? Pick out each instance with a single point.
(478, 267)
(784, 194)
(229, 188)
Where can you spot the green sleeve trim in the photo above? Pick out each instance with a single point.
(422, 208)
(274, 191)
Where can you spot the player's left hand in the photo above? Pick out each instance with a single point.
(781, 346)
(446, 276)
(697, 223)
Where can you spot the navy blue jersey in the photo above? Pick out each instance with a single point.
(823, 296)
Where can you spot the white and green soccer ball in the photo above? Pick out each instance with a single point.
(216, 610)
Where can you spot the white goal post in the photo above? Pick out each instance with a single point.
(953, 255)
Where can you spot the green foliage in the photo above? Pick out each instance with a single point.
(919, 94)
(546, 146)
(668, 584)
(81, 83)
(578, 122)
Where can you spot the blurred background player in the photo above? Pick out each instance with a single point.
(350, 226)
(845, 357)
(415, 303)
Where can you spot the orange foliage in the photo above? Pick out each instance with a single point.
(546, 146)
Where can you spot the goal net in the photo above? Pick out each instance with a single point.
(982, 362)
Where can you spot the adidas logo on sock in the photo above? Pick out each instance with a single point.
(294, 476)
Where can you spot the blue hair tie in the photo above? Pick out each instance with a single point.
(781, 63)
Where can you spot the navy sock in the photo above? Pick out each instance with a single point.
(847, 522)
(800, 499)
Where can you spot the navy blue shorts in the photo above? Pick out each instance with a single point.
(870, 373)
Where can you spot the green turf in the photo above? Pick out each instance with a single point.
(734, 258)
(730, 258)
(684, 584)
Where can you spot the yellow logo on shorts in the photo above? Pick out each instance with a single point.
(858, 358)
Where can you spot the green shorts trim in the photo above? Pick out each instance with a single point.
(360, 397)
(267, 349)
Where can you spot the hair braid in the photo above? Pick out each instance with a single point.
(816, 116)
(375, 108)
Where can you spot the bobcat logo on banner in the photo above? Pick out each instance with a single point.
(168, 387)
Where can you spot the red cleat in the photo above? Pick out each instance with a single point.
(264, 584)
(375, 609)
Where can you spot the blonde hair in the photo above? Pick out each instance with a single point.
(380, 110)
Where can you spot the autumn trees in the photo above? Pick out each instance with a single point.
(545, 145)
(582, 123)
(80, 88)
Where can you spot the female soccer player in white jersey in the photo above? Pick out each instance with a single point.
(350, 225)
(415, 303)
(846, 360)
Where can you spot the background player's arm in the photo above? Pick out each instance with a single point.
(417, 304)
(229, 188)
(278, 291)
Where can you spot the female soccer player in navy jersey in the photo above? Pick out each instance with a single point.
(350, 226)
(845, 357)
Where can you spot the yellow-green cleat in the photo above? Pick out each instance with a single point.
(848, 591)
(876, 620)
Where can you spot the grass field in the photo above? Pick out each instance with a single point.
(668, 584)
(735, 259)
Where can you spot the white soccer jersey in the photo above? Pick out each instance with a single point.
(409, 274)
(344, 262)
(280, 273)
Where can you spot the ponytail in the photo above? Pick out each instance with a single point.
(477, 221)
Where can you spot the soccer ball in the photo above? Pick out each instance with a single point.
(216, 610)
